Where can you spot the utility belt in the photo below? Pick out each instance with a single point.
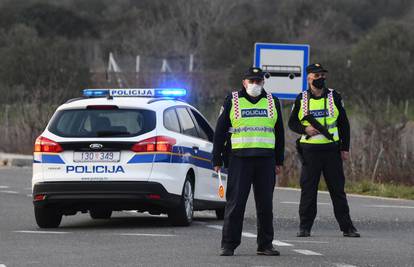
(300, 147)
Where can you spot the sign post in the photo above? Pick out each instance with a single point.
(286, 68)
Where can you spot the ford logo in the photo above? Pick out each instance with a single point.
(96, 146)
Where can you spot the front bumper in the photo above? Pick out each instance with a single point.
(82, 196)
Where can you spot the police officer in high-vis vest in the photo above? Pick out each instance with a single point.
(319, 116)
(250, 123)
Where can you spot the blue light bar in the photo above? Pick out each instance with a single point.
(170, 92)
(95, 92)
(135, 92)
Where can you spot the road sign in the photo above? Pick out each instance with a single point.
(286, 65)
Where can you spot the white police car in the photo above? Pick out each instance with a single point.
(125, 149)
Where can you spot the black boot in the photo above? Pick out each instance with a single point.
(268, 251)
(352, 232)
(226, 252)
(303, 233)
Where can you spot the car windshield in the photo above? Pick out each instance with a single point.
(102, 123)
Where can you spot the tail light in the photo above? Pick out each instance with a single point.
(44, 144)
(154, 196)
(39, 197)
(155, 144)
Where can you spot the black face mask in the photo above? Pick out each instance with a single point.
(319, 83)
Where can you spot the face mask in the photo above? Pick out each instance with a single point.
(319, 83)
(254, 89)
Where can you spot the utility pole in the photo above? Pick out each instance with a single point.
(113, 67)
(137, 66)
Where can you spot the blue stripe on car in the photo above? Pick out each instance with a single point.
(142, 158)
(47, 158)
(179, 154)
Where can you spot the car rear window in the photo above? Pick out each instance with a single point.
(102, 123)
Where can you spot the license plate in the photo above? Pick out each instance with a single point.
(107, 156)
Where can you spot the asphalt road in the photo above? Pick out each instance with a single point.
(133, 239)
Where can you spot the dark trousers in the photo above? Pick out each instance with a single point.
(243, 172)
(328, 162)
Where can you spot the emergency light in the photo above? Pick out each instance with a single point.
(136, 92)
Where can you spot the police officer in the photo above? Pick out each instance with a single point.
(250, 122)
(319, 116)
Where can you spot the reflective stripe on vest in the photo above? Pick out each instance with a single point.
(252, 124)
(316, 107)
(251, 129)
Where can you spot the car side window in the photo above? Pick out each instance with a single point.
(204, 128)
(187, 124)
(171, 120)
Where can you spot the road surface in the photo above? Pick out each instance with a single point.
(134, 239)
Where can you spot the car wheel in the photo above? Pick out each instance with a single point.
(183, 214)
(47, 217)
(220, 214)
(100, 214)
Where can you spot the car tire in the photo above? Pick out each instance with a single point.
(220, 214)
(47, 217)
(183, 214)
(100, 214)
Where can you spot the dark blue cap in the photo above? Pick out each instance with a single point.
(315, 68)
(254, 73)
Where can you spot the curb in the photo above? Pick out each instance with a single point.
(347, 194)
(15, 160)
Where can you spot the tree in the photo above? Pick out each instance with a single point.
(382, 63)
(53, 66)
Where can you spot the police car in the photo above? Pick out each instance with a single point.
(125, 149)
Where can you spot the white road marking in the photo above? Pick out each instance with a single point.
(40, 232)
(137, 234)
(251, 235)
(205, 213)
(130, 211)
(307, 252)
(3, 265)
(136, 212)
(4, 187)
(352, 195)
(29, 195)
(281, 244)
(289, 202)
(390, 206)
(297, 203)
(304, 241)
(215, 226)
(9, 192)
(344, 265)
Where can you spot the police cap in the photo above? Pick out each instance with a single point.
(315, 68)
(254, 73)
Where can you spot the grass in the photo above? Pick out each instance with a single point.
(366, 187)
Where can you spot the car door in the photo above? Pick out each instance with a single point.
(208, 178)
(189, 143)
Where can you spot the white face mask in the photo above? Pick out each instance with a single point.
(254, 89)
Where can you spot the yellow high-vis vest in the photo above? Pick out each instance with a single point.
(325, 112)
(253, 124)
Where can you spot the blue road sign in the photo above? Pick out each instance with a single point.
(286, 65)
